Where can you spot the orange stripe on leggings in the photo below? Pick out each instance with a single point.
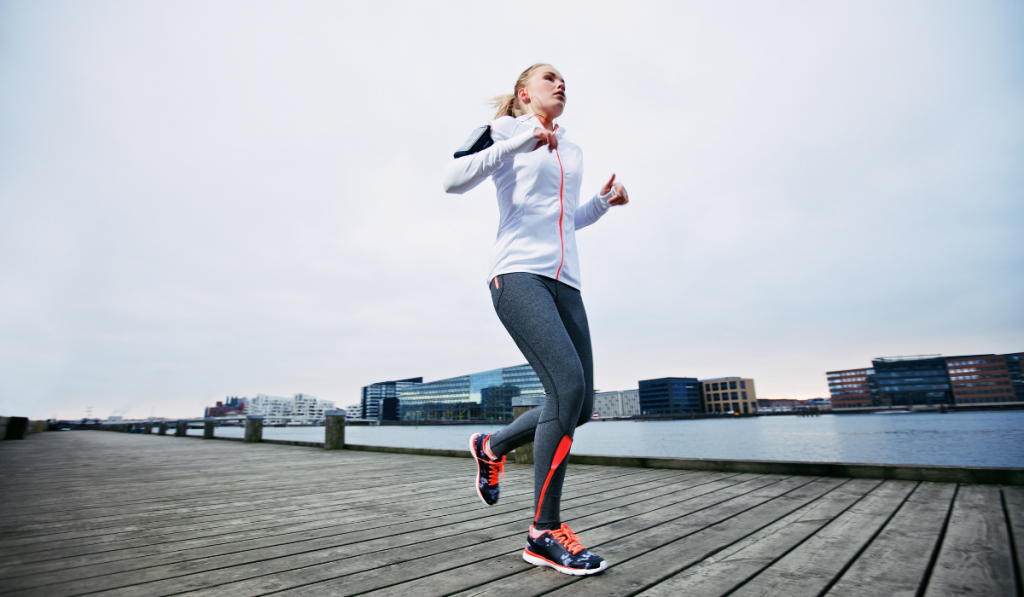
(560, 454)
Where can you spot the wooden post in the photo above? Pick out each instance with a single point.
(17, 428)
(334, 431)
(208, 423)
(253, 429)
(148, 428)
(180, 428)
(163, 428)
(524, 454)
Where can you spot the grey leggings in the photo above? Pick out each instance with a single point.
(549, 324)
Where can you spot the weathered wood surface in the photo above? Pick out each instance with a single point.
(113, 514)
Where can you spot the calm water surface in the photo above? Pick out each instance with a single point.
(960, 439)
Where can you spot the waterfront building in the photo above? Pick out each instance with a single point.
(669, 396)
(354, 411)
(301, 409)
(930, 380)
(379, 401)
(274, 410)
(983, 379)
(852, 388)
(233, 406)
(912, 381)
(1014, 366)
(617, 404)
(488, 395)
(779, 404)
(728, 395)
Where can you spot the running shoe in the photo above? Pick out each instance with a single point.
(562, 551)
(488, 472)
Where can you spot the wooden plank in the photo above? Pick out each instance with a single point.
(313, 522)
(725, 570)
(1013, 498)
(445, 518)
(810, 568)
(356, 473)
(897, 560)
(199, 535)
(975, 556)
(509, 574)
(233, 565)
(645, 570)
(363, 571)
(706, 527)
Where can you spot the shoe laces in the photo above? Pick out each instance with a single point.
(495, 471)
(568, 539)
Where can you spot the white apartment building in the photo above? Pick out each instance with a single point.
(624, 403)
(302, 409)
(275, 410)
(354, 411)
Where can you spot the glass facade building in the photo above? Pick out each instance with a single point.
(484, 396)
(932, 380)
(670, 395)
(379, 401)
(908, 381)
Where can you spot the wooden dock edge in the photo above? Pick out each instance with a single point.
(902, 472)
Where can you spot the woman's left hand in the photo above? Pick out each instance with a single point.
(621, 197)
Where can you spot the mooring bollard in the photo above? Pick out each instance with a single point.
(163, 428)
(208, 428)
(253, 429)
(180, 428)
(334, 430)
(17, 428)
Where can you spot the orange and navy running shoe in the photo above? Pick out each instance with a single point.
(562, 551)
(488, 472)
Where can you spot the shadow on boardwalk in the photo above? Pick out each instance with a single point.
(144, 515)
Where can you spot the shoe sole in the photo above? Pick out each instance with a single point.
(536, 560)
(476, 482)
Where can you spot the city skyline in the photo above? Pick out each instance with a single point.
(232, 198)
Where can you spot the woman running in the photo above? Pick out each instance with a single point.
(535, 288)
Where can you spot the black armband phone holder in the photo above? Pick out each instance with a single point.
(478, 141)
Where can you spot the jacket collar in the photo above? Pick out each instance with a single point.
(536, 121)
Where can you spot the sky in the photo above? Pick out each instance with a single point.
(213, 198)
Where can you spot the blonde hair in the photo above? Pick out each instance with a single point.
(508, 104)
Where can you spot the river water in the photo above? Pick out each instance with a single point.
(991, 438)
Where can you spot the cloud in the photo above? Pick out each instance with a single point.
(209, 199)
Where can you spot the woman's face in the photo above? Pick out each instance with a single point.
(545, 92)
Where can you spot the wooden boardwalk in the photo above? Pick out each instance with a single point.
(113, 514)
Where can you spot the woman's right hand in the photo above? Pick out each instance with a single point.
(545, 137)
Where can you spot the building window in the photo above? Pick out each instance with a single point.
(735, 396)
(732, 385)
(743, 385)
(744, 395)
(715, 386)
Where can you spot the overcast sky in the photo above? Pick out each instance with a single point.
(208, 199)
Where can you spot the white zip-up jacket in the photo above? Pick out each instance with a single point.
(538, 199)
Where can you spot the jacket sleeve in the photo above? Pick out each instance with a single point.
(462, 174)
(592, 210)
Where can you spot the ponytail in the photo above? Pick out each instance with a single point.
(508, 104)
